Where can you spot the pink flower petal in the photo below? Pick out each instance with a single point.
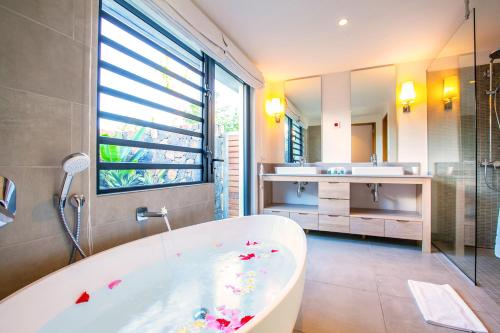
(178, 254)
(114, 283)
(274, 251)
(84, 298)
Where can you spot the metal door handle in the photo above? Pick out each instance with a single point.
(212, 163)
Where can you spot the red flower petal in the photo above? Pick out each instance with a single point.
(245, 320)
(223, 322)
(84, 297)
(274, 251)
(248, 243)
(247, 257)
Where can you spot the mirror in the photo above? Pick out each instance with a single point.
(303, 119)
(373, 114)
(7, 201)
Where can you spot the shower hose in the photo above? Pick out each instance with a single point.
(494, 95)
(76, 245)
(77, 232)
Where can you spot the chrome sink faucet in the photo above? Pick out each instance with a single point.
(373, 159)
(301, 161)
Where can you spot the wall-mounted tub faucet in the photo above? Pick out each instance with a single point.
(142, 214)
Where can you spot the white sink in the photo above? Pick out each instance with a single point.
(298, 170)
(378, 171)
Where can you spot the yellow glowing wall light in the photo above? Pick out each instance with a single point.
(407, 95)
(275, 108)
(450, 91)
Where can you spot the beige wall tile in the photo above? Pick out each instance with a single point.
(24, 263)
(37, 216)
(84, 24)
(34, 130)
(57, 14)
(123, 206)
(38, 59)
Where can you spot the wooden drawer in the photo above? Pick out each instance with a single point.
(334, 223)
(333, 190)
(277, 212)
(403, 229)
(306, 220)
(366, 226)
(333, 206)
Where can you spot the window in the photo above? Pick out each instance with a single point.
(151, 112)
(294, 143)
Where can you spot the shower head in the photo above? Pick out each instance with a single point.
(72, 165)
(76, 163)
(495, 55)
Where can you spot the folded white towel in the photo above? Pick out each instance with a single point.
(441, 305)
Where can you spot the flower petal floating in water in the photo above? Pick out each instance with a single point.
(114, 283)
(274, 251)
(245, 320)
(252, 243)
(223, 322)
(247, 257)
(218, 245)
(84, 297)
(178, 254)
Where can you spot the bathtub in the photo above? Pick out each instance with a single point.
(30, 308)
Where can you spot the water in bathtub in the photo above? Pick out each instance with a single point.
(216, 289)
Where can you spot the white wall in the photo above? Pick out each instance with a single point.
(336, 107)
(412, 126)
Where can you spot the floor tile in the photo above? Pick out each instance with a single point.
(330, 309)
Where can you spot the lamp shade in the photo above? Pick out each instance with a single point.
(407, 92)
(450, 87)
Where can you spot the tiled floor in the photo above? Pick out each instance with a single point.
(355, 285)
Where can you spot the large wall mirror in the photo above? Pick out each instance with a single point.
(373, 115)
(303, 119)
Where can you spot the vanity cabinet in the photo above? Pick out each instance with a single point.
(330, 206)
(367, 226)
(308, 221)
(403, 229)
(333, 223)
(284, 213)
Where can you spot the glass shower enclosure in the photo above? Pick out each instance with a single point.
(464, 147)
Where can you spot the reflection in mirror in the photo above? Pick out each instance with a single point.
(7, 201)
(373, 114)
(303, 120)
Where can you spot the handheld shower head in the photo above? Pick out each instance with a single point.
(72, 165)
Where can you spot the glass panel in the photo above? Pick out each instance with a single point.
(125, 108)
(488, 150)
(114, 153)
(134, 66)
(126, 39)
(451, 122)
(119, 130)
(114, 179)
(228, 175)
(131, 87)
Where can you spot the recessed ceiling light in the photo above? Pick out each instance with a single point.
(343, 22)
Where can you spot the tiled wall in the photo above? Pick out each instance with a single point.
(488, 200)
(47, 111)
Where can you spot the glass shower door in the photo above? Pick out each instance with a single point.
(451, 124)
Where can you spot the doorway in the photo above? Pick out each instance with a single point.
(362, 142)
(230, 144)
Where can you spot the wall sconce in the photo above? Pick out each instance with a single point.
(275, 108)
(450, 91)
(407, 95)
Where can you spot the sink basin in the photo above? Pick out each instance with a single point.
(296, 170)
(378, 171)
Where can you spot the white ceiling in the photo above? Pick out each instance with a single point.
(297, 38)
(305, 94)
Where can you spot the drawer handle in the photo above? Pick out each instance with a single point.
(275, 211)
(404, 221)
(333, 183)
(303, 213)
(334, 215)
(365, 218)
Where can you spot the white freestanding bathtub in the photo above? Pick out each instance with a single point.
(29, 309)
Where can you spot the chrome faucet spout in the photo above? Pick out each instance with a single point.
(373, 159)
